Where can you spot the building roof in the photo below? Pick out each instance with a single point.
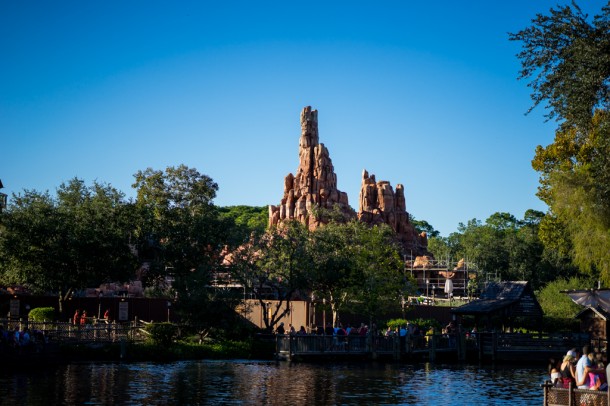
(513, 298)
(603, 314)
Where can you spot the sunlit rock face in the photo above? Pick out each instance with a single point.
(315, 183)
(315, 186)
(380, 204)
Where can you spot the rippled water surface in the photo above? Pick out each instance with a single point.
(271, 383)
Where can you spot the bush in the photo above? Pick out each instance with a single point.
(396, 323)
(558, 305)
(162, 333)
(42, 314)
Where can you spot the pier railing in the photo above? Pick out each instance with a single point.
(554, 396)
(62, 332)
(289, 346)
(487, 345)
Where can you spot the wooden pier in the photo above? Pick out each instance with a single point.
(452, 347)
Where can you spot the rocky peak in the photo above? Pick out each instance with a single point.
(315, 182)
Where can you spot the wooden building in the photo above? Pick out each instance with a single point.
(501, 304)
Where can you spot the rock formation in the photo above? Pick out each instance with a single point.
(315, 186)
(379, 204)
(315, 183)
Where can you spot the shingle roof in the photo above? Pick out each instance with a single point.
(500, 295)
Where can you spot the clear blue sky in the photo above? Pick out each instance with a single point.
(419, 93)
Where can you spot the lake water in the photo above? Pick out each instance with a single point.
(271, 383)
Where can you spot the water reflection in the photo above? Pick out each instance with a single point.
(270, 383)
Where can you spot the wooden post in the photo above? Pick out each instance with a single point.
(461, 346)
(494, 344)
(432, 347)
(396, 347)
(545, 399)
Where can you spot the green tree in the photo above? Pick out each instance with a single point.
(503, 247)
(566, 57)
(245, 221)
(275, 266)
(332, 264)
(558, 305)
(76, 240)
(575, 184)
(423, 226)
(181, 235)
(378, 280)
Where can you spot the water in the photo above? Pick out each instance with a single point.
(271, 383)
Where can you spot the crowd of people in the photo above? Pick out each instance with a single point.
(19, 339)
(81, 318)
(584, 370)
(329, 330)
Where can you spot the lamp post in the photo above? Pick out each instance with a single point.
(99, 305)
(27, 315)
(427, 285)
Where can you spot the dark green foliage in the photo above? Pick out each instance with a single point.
(245, 221)
(77, 239)
(559, 305)
(423, 226)
(396, 323)
(42, 314)
(503, 247)
(162, 333)
(566, 57)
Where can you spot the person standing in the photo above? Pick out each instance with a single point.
(567, 370)
(76, 318)
(582, 369)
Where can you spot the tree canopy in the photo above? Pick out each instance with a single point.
(77, 239)
(566, 57)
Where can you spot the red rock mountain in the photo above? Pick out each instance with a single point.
(315, 185)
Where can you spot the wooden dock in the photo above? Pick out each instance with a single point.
(455, 347)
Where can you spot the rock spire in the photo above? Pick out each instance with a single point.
(380, 204)
(315, 183)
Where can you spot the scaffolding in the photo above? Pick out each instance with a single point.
(432, 276)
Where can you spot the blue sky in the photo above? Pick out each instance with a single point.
(419, 93)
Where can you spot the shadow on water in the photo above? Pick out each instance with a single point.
(272, 383)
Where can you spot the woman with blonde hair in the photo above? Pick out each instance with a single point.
(568, 370)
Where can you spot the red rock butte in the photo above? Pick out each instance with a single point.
(315, 186)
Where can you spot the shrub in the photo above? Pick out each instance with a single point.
(396, 323)
(42, 314)
(162, 333)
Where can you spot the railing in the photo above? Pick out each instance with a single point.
(68, 333)
(485, 345)
(304, 345)
(572, 396)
